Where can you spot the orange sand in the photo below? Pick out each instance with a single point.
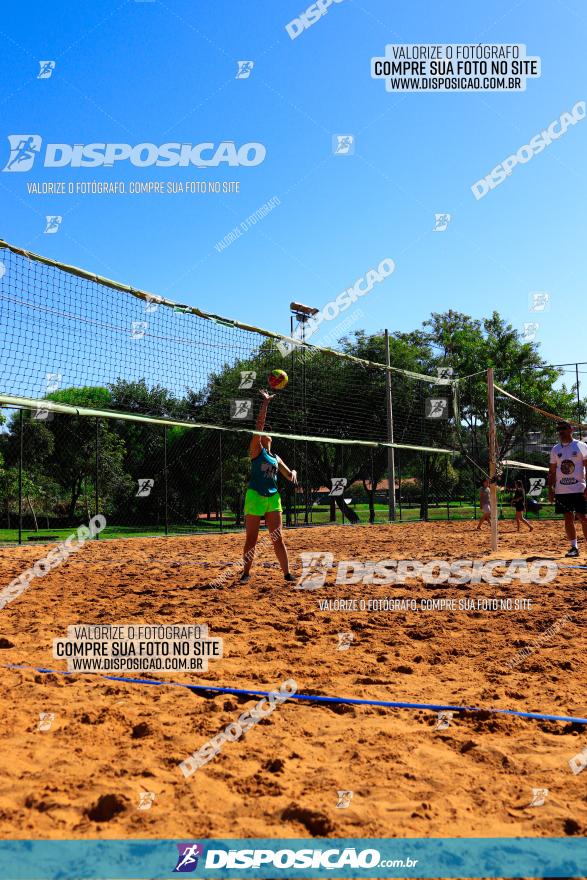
(110, 741)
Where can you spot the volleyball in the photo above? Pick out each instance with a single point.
(278, 379)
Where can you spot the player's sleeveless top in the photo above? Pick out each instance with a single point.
(264, 473)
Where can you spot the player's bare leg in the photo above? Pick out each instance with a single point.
(252, 524)
(274, 524)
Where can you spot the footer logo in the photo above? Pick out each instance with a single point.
(187, 860)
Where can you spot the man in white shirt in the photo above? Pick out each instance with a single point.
(567, 482)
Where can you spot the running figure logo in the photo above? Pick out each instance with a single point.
(46, 69)
(46, 719)
(145, 486)
(343, 144)
(436, 408)
(244, 69)
(539, 301)
(443, 720)
(241, 409)
(338, 486)
(530, 330)
(247, 378)
(314, 569)
(344, 799)
(146, 799)
(23, 151)
(345, 640)
(537, 484)
(53, 222)
(539, 795)
(187, 860)
(137, 329)
(441, 222)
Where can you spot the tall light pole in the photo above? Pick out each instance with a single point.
(302, 313)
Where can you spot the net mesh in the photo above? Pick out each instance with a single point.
(71, 337)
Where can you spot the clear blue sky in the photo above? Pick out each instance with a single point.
(163, 71)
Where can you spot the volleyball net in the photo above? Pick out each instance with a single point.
(92, 369)
(528, 402)
(65, 331)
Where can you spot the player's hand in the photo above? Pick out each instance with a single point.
(294, 478)
(265, 394)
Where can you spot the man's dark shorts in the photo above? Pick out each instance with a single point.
(571, 502)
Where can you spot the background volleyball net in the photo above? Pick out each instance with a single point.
(528, 402)
(106, 387)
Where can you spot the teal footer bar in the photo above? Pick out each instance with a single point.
(276, 858)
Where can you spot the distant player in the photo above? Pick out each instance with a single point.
(567, 483)
(484, 504)
(262, 499)
(519, 502)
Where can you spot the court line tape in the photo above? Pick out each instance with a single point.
(314, 698)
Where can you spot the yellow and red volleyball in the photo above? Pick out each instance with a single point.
(278, 379)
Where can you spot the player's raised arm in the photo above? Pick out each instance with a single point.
(255, 444)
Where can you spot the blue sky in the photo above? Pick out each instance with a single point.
(155, 72)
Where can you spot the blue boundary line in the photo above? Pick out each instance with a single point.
(314, 698)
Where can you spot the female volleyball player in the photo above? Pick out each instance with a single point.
(262, 499)
(519, 502)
